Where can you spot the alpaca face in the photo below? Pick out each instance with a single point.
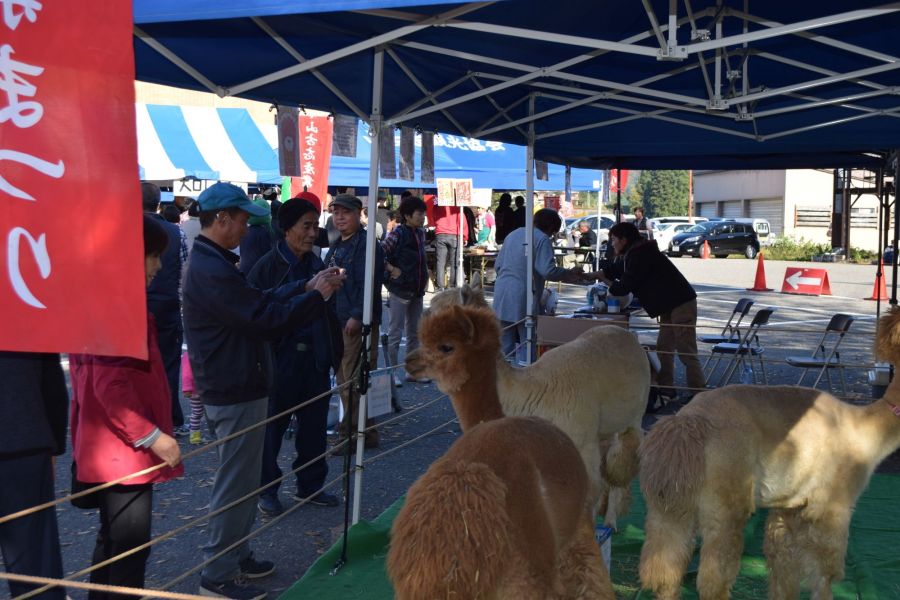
(454, 343)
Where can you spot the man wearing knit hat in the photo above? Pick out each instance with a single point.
(227, 323)
(259, 238)
(303, 359)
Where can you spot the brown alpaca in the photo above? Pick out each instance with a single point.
(802, 453)
(594, 388)
(504, 514)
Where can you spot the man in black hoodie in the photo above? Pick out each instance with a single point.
(33, 419)
(228, 323)
(664, 293)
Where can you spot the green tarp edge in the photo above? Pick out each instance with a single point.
(872, 566)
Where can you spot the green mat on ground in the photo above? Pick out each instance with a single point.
(872, 571)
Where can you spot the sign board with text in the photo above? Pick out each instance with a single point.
(810, 282)
(454, 192)
(73, 276)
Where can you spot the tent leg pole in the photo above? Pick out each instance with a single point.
(896, 154)
(529, 239)
(369, 292)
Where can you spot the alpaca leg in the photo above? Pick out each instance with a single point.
(721, 528)
(520, 583)
(783, 554)
(598, 488)
(666, 553)
(822, 540)
(581, 567)
(621, 464)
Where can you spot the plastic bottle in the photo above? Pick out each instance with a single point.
(747, 375)
(612, 305)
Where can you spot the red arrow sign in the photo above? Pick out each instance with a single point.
(812, 282)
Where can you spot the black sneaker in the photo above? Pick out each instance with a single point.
(238, 589)
(320, 499)
(269, 505)
(256, 569)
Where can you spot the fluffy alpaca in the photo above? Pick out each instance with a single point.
(504, 514)
(802, 453)
(594, 388)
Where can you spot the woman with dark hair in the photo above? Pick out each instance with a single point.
(505, 218)
(665, 293)
(406, 279)
(510, 296)
(122, 424)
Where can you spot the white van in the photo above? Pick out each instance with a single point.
(762, 228)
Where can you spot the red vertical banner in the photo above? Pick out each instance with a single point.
(72, 267)
(315, 154)
(618, 180)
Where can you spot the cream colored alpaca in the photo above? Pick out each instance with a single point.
(594, 388)
(802, 453)
(504, 514)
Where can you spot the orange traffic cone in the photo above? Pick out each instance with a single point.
(879, 292)
(760, 284)
(705, 252)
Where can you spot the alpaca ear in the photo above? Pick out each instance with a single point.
(465, 294)
(888, 345)
(461, 316)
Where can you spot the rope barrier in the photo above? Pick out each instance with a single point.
(148, 470)
(381, 455)
(172, 533)
(99, 587)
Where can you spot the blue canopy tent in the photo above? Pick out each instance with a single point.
(712, 84)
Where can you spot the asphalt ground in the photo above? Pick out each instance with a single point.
(300, 537)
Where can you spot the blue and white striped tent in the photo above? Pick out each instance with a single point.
(226, 144)
(175, 142)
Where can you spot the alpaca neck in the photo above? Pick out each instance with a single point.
(477, 399)
(884, 418)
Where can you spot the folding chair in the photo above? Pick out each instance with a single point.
(824, 358)
(731, 331)
(746, 348)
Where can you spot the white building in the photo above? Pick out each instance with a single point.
(797, 203)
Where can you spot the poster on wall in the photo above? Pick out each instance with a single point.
(73, 276)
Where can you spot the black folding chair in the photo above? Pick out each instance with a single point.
(826, 356)
(745, 349)
(731, 332)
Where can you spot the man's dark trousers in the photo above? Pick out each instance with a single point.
(310, 441)
(30, 545)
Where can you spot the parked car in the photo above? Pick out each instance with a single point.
(762, 228)
(664, 232)
(724, 238)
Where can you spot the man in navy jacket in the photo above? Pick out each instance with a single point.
(227, 325)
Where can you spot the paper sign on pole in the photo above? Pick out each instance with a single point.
(454, 192)
(73, 276)
(378, 398)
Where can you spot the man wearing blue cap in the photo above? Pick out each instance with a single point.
(227, 323)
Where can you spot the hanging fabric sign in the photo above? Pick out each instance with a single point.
(315, 154)
(288, 144)
(73, 273)
(344, 136)
(407, 153)
(387, 159)
(427, 166)
(618, 180)
(540, 171)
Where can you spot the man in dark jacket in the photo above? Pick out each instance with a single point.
(349, 253)
(227, 324)
(33, 419)
(164, 301)
(664, 293)
(303, 358)
(259, 239)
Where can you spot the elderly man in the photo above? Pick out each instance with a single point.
(587, 244)
(349, 253)
(227, 324)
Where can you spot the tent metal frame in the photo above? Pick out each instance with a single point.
(727, 93)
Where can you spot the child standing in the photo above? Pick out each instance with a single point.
(187, 387)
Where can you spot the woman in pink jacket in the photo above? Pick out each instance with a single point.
(122, 424)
